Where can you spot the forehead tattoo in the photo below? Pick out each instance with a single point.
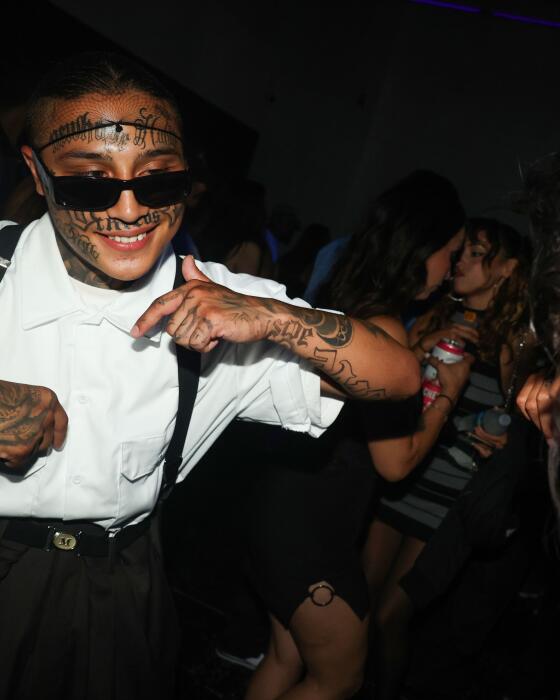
(152, 126)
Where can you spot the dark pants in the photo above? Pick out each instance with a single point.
(85, 628)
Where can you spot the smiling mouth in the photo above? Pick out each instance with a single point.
(128, 239)
(132, 241)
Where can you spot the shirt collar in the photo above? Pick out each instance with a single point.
(47, 293)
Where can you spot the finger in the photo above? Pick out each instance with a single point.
(434, 361)
(191, 272)
(48, 436)
(536, 400)
(201, 336)
(158, 309)
(477, 439)
(528, 393)
(496, 441)
(60, 426)
(521, 399)
(182, 322)
(33, 452)
(482, 450)
(546, 425)
(555, 389)
(466, 332)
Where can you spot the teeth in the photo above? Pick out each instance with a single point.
(128, 239)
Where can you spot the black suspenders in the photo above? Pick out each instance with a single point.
(188, 364)
(9, 237)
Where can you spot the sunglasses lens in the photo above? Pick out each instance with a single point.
(99, 194)
(86, 193)
(163, 189)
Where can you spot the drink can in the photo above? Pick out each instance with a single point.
(430, 392)
(448, 351)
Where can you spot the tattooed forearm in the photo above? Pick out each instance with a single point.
(334, 329)
(328, 362)
(327, 336)
(290, 331)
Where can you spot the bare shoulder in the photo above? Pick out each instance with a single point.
(392, 326)
(420, 326)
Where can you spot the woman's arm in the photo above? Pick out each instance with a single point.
(421, 342)
(394, 458)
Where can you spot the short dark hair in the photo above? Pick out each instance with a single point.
(92, 72)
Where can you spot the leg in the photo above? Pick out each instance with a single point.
(281, 667)
(392, 622)
(329, 640)
(332, 641)
(380, 551)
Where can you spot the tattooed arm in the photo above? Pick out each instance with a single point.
(359, 357)
(31, 420)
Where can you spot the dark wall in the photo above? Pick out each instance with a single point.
(49, 34)
(348, 97)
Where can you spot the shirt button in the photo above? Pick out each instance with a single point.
(77, 480)
(83, 399)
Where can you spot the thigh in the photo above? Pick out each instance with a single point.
(331, 639)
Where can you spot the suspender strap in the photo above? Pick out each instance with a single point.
(188, 363)
(9, 237)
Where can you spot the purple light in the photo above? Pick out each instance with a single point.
(526, 20)
(447, 5)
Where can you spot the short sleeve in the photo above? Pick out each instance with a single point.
(273, 385)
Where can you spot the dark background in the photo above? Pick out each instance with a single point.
(327, 102)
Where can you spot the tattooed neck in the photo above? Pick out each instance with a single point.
(82, 271)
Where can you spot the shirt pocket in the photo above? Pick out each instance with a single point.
(140, 477)
(21, 475)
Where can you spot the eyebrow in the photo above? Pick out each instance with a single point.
(155, 152)
(85, 155)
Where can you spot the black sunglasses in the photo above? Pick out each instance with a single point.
(83, 193)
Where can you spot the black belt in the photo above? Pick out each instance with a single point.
(84, 539)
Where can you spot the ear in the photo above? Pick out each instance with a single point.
(27, 153)
(508, 267)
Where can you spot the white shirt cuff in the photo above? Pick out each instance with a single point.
(296, 395)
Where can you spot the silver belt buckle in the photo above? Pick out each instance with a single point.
(64, 540)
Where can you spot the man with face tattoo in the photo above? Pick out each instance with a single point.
(102, 359)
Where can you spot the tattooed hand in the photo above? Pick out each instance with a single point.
(361, 359)
(31, 421)
(201, 313)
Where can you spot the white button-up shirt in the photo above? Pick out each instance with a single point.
(121, 394)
